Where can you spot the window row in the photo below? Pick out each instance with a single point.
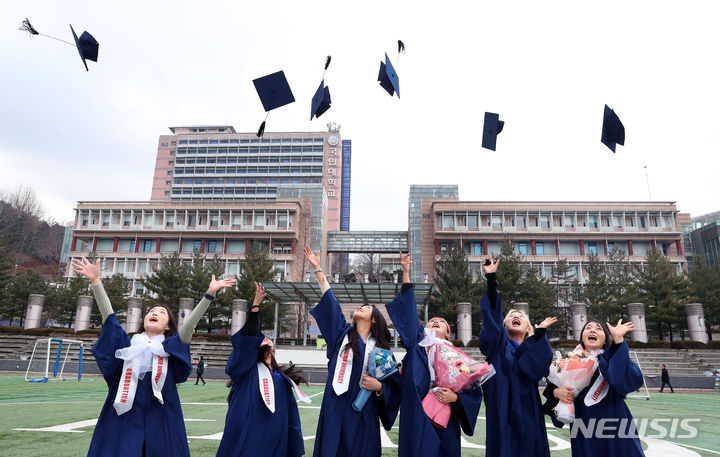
(283, 219)
(630, 248)
(169, 245)
(245, 181)
(257, 159)
(475, 220)
(256, 141)
(246, 170)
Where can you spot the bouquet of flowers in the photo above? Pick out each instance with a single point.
(381, 365)
(453, 369)
(575, 371)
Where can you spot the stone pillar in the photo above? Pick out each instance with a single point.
(366, 278)
(239, 315)
(464, 322)
(134, 317)
(524, 307)
(636, 311)
(186, 306)
(696, 322)
(579, 318)
(82, 315)
(34, 311)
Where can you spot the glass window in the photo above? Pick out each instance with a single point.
(520, 221)
(593, 221)
(666, 222)
(545, 221)
(196, 245)
(214, 220)
(539, 249)
(569, 221)
(147, 246)
(212, 245)
(592, 248)
(472, 220)
(497, 221)
(617, 221)
(448, 221)
(642, 222)
(522, 248)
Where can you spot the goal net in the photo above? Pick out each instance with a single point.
(55, 359)
(643, 392)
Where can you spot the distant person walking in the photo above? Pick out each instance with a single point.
(666, 380)
(200, 370)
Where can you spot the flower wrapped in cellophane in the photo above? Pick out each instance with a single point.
(453, 369)
(574, 371)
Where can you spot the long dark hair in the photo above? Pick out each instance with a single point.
(287, 369)
(378, 330)
(604, 329)
(172, 323)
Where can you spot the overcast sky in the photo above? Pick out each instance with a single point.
(548, 68)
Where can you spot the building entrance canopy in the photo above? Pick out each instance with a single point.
(345, 292)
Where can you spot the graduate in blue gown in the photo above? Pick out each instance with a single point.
(253, 426)
(145, 418)
(418, 436)
(602, 400)
(521, 357)
(342, 431)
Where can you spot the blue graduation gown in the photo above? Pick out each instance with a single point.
(514, 415)
(418, 437)
(250, 428)
(342, 431)
(623, 377)
(159, 426)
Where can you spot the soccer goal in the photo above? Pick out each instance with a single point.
(64, 354)
(639, 393)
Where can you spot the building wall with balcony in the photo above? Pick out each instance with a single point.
(132, 237)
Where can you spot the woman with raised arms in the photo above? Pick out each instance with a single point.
(142, 414)
(341, 430)
(515, 423)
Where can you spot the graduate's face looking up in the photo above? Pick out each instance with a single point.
(517, 323)
(270, 351)
(440, 326)
(593, 336)
(363, 313)
(156, 321)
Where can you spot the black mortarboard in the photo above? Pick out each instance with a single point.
(388, 77)
(612, 130)
(321, 101)
(491, 129)
(87, 46)
(274, 92)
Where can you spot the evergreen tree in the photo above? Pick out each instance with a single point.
(622, 283)
(258, 267)
(596, 292)
(564, 281)
(509, 274)
(540, 296)
(17, 291)
(201, 271)
(663, 292)
(454, 284)
(169, 281)
(117, 289)
(705, 289)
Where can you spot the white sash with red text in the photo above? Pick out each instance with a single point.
(267, 388)
(143, 355)
(344, 363)
(597, 392)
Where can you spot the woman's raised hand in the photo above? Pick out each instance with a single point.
(618, 332)
(547, 322)
(405, 262)
(216, 285)
(260, 294)
(87, 269)
(492, 266)
(314, 259)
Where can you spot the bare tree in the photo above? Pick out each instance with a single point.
(367, 264)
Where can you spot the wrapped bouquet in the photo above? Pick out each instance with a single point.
(575, 371)
(453, 369)
(381, 365)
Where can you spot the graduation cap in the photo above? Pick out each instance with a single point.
(87, 46)
(491, 129)
(274, 92)
(321, 100)
(388, 77)
(612, 131)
